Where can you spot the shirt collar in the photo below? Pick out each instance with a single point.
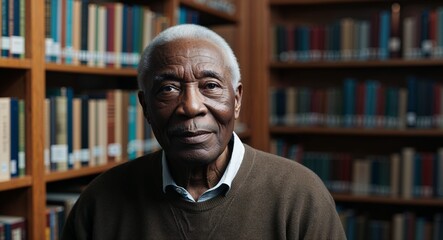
(238, 151)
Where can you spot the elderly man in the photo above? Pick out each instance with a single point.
(204, 183)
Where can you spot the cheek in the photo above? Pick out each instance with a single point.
(223, 110)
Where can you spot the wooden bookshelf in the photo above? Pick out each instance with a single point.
(270, 73)
(16, 183)
(284, 130)
(75, 173)
(63, 68)
(15, 63)
(26, 196)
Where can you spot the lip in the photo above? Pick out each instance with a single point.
(192, 137)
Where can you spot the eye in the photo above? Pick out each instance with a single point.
(168, 88)
(211, 86)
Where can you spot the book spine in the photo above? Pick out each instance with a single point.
(6, 40)
(5, 133)
(84, 29)
(22, 140)
(14, 139)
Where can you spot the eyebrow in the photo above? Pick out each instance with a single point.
(210, 73)
(166, 76)
(173, 76)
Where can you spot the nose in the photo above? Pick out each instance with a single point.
(192, 102)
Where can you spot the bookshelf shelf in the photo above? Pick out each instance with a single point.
(357, 132)
(210, 15)
(129, 72)
(16, 183)
(388, 200)
(75, 173)
(357, 64)
(15, 63)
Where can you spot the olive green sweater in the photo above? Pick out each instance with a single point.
(270, 198)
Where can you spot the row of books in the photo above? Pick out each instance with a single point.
(12, 227)
(12, 138)
(100, 35)
(401, 226)
(12, 25)
(406, 174)
(187, 15)
(377, 38)
(57, 210)
(93, 129)
(360, 104)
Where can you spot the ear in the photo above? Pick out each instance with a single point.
(238, 98)
(141, 100)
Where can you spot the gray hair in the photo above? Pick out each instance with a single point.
(188, 31)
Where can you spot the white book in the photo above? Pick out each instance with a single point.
(118, 34)
(101, 36)
(5, 137)
(398, 223)
(92, 139)
(91, 55)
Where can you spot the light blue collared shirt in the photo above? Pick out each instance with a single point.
(224, 183)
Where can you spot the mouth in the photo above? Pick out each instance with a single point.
(192, 137)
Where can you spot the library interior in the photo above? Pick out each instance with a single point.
(348, 88)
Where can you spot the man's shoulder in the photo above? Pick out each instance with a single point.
(143, 169)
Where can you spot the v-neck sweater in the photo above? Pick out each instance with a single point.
(270, 198)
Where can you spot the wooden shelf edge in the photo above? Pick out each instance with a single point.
(388, 200)
(15, 63)
(16, 183)
(75, 173)
(357, 64)
(130, 72)
(232, 18)
(357, 131)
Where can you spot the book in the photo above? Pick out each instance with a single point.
(5, 135)
(14, 227)
(21, 138)
(6, 40)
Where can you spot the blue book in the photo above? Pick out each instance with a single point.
(132, 126)
(280, 105)
(84, 31)
(425, 43)
(182, 15)
(137, 37)
(304, 43)
(416, 176)
(411, 113)
(52, 139)
(349, 89)
(68, 32)
(385, 30)
(15, 53)
(5, 29)
(54, 29)
(14, 137)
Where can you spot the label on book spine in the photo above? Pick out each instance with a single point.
(21, 160)
(17, 45)
(6, 43)
(59, 153)
(84, 155)
(114, 149)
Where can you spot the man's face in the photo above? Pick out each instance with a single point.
(190, 102)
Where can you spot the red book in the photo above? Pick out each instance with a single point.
(433, 27)
(427, 174)
(110, 98)
(110, 34)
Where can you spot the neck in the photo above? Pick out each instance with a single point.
(197, 179)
